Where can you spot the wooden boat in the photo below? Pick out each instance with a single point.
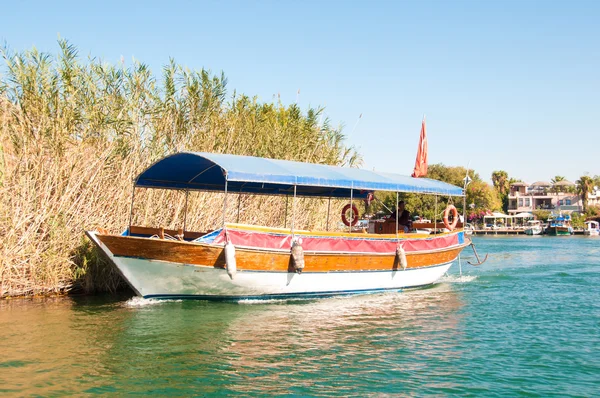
(255, 262)
(591, 228)
(533, 227)
(559, 226)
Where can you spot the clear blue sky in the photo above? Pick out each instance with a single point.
(512, 85)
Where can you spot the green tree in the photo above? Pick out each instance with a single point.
(556, 179)
(451, 174)
(425, 205)
(482, 197)
(593, 211)
(541, 215)
(577, 220)
(502, 186)
(501, 182)
(585, 185)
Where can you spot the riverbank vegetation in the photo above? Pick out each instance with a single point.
(74, 132)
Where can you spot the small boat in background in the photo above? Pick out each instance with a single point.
(559, 226)
(591, 228)
(533, 227)
(469, 229)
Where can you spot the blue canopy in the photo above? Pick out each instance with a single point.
(248, 174)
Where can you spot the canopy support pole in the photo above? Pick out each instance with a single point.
(286, 207)
(293, 212)
(351, 210)
(328, 209)
(131, 211)
(187, 193)
(465, 209)
(397, 215)
(238, 210)
(225, 202)
(435, 215)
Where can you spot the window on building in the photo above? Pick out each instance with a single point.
(527, 202)
(568, 202)
(560, 202)
(520, 202)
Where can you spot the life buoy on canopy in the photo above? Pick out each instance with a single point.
(354, 219)
(447, 212)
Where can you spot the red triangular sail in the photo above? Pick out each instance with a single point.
(421, 162)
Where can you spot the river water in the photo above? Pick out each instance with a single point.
(526, 323)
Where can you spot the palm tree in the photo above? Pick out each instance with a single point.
(584, 186)
(500, 181)
(556, 179)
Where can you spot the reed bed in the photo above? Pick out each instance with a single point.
(74, 133)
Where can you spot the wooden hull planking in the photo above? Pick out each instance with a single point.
(266, 260)
(166, 268)
(558, 231)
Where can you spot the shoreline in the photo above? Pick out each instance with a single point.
(512, 232)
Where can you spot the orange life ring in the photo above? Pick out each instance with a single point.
(452, 209)
(354, 215)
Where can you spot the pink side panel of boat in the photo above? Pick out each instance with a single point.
(334, 244)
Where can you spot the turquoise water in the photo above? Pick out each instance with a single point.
(525, 323)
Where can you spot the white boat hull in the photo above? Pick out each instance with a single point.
(533, 231)
(163, 279)
(591, 233)
(159, 279)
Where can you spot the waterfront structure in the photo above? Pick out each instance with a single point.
(558, 197)
(244, 261)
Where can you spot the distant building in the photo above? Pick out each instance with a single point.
(559, 197)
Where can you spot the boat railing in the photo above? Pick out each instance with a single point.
(161, 232)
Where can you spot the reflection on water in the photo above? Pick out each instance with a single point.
(371, 332)
(53, 345)
(93, 346)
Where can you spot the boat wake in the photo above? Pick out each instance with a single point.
(262, 301)
(137, 302)
(459, 278)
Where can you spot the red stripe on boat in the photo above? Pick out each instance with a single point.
(263, 240)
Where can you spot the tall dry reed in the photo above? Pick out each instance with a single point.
(74, 134)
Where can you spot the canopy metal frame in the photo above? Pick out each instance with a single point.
(280, 184)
